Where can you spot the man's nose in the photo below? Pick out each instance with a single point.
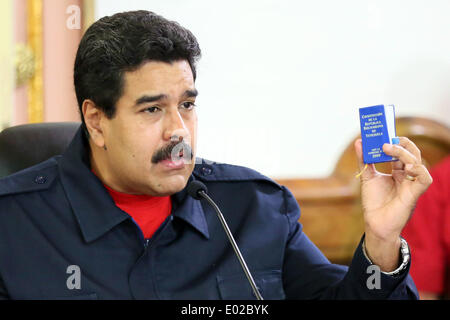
(175, 128)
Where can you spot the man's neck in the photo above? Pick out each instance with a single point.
(96, 160)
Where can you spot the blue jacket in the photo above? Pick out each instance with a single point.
(56, 217)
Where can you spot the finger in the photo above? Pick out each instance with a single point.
(420, 172)
(370, 171)
(400, 153)
(411, 147)
(397, 165)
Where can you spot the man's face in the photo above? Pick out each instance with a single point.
(156, 111)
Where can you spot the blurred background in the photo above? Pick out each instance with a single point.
(280, 82)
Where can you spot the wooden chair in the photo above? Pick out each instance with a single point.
(331, 207)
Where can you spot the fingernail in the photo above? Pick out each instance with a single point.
(387, 146)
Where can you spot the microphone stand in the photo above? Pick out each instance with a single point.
(233, 243)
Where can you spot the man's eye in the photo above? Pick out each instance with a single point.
(151, 109)
(188, 105)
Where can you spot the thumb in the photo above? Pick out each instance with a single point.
(366, 173)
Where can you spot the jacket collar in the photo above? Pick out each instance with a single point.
(92, 205)
(190, 210)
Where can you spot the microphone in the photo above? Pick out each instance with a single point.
(198, 190)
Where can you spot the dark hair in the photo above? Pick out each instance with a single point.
(123, 42)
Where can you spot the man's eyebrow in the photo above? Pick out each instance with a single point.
(148, 99)
(190, 93)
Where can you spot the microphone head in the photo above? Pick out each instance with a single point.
(194, 188)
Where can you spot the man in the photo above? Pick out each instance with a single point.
(111, 217)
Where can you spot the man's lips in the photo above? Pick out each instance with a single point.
(173, 164)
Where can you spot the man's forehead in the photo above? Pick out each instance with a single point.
(155, 77)
(155, 71)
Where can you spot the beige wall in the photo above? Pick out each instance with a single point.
(59, 48)
(20, 114)
(6, 62)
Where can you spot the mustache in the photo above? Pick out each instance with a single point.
(172, 151)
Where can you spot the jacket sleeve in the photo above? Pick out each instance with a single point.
(307, 273)
(3, 293)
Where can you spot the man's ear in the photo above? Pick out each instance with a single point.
(93, 118)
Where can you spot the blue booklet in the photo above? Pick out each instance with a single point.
(377, 128)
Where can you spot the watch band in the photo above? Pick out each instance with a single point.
(404, 250)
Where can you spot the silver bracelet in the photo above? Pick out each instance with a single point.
(404, 250)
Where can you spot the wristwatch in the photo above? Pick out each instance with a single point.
(404, 250)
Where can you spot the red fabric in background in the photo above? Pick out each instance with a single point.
(428, 234)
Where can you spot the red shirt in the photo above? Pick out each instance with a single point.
(147, 211)
(428, 234)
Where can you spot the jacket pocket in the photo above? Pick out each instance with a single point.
(237, 287)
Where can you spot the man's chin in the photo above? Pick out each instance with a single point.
(171, 185)
(168, 182)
